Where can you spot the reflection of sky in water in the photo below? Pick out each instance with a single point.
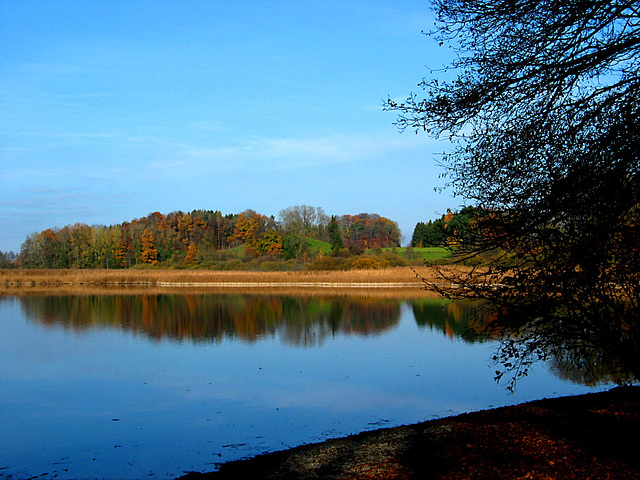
(109, 403)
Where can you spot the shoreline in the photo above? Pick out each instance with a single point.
(593, 435)
(396, 279)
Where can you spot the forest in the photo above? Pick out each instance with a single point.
(301, 237)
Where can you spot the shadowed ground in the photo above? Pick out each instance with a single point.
(588, 436)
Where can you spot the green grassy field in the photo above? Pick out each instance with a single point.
(430, 254)
(421, 253)
(317, 245)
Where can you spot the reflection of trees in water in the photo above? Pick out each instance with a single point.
(581, 344)
(296, 320)
(454, 319)
(575, 351)
(589, 366)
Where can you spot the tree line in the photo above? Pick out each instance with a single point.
(452, 229)
(207, 238)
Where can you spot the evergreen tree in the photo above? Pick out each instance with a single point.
(335, 235)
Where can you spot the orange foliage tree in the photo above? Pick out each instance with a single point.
(148, 253)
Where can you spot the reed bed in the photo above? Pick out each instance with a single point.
(396, 278)
(403, 275)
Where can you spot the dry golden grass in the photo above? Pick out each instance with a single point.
(402, 275)
(108, 281)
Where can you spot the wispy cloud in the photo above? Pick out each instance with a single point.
(288, 152)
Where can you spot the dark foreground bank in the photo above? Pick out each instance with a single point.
(593, 436)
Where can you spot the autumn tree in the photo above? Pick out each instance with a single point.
(148, 252)
(541, 111)
(79, 245)
(269, 243)
(163, 234)
(48, 250)
(248, 227)
(192, 254)
(185, 225)
(368, 230)
(123, 251)
(211, 227)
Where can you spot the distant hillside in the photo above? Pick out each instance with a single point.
(301, 237)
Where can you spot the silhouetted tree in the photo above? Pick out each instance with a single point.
(542, 114)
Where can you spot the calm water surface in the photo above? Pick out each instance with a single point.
(152, 386)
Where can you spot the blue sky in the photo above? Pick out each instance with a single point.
(111, 110)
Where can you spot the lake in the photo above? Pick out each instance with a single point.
(156, 385)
